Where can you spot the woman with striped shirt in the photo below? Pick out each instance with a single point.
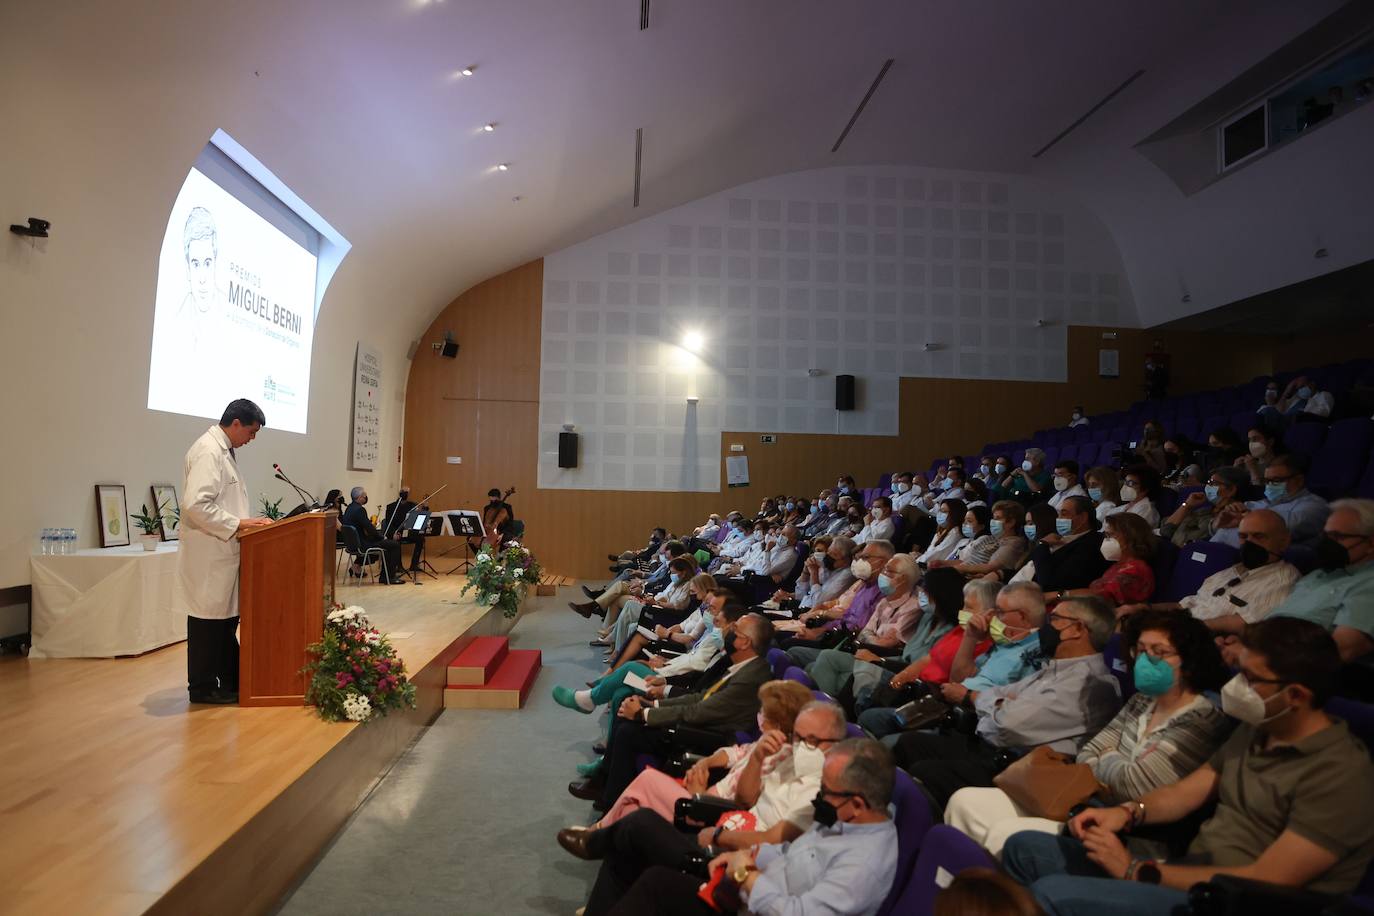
(1164, 732)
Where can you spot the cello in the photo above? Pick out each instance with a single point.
(494, 518)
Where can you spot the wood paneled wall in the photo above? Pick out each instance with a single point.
(483, 407)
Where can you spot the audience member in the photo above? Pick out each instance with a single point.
(1163, 733)
(948, 533)
(1302, 399)
(1263, 446)
(1104, 489)
(975, 493)
(1077, 418)
(671, 629)
(1195, 517)
(894, 615)
(1009, 545)
(1065, 482)
(826, 624)
(878, 524)
(1070, 556)
(1150, 451)
(1339, 595)
(1139, 487)
(1069, 699)
(1223, 448)
(1294, 793)
(903, 492)
(1128, 545)
(1285, 491)
(1028, 483)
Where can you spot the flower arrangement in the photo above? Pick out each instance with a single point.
(501, 578)
(355, 673)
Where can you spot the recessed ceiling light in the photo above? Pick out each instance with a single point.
(503, 167)
(489, 127)
(467, 71)
(516, 199)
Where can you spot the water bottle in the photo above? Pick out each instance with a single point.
(44, 542)
(71, 541)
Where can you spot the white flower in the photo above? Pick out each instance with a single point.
(357, 707)
(373, 637)
(525, 551)
(512, 544)
(518, 573)
(483, 558)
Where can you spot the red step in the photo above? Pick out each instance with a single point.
(506, 689)
(476, 664)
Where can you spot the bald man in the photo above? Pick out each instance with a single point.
(1249, 590)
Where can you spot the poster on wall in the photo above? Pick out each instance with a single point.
(737, 470)
(367, 408)
(1109, 364)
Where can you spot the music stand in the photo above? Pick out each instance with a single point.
(465, 524)
(424, 524)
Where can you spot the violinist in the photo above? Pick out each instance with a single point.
(393, 525)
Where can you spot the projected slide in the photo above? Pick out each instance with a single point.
(234, 315)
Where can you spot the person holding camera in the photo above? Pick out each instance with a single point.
(1064, 703)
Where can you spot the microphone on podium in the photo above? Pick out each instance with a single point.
(310, 501)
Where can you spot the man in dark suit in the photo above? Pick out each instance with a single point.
(724, 700)
(1074, 559)
(394, 526)
(355, 516)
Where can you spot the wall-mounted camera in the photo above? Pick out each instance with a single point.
(36, 229)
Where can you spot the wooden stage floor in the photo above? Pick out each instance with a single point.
(120, 798)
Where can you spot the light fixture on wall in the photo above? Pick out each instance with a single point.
(693, 340)
(467, 71)
(931, 346)
(503, 167)
(488, 127)
(1043, 322)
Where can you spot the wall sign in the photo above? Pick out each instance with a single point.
(367, 408)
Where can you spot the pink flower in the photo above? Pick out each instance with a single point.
(357, 669)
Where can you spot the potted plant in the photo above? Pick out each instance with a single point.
(151, 526)
(271, 509)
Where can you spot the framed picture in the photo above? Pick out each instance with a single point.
(165, 499)
(113, 511)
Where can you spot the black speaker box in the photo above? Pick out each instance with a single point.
(450, 349)
(567, 450)
(844, 392)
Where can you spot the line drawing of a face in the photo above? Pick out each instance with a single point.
(201, 247)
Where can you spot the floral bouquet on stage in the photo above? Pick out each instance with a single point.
(355, 673)
(501, 578)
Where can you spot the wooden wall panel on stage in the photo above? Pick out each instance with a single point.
(483, 407)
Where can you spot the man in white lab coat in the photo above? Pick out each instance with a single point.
(214, 510)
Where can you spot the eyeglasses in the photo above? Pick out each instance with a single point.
(1278, 479)
(1156, 651)
(1346, 536)
(814, 743)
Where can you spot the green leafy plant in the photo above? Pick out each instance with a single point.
(355, 673)
(271, 509)
(502, 578)
(147, 523)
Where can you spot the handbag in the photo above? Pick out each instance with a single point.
(921, 713)
(1047, 784)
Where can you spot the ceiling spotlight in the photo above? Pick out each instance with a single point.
(467, 71)
(488, 127)
(693, 340)
(503, 167)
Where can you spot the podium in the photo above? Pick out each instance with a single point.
(286, 587)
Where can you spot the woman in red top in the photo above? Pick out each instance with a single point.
(955, 601)
(1128, 542)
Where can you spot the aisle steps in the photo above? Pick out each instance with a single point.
(488, 674)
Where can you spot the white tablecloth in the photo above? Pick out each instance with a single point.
(99, 603)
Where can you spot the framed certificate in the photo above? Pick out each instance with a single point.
(165, 501)
(113, 512)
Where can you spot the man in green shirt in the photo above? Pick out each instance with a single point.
(1294, 792)
(1340, 595)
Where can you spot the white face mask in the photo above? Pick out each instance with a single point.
(1240, 701)
(807, 762)
(903, 487)
(1061, 484)
(1111, 549)
(1128, 493)
(1258, 448)
(862, 569)
(877, 514)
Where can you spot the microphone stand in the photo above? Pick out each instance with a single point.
(305, 496)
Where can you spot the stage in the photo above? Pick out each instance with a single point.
(121, 798)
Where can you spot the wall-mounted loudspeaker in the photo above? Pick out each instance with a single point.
(450, 349)
(844, 392)
(567, 450)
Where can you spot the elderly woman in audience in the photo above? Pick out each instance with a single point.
(1263, 445)
(893, 618)
(1195, 517)
(1139, 486)
(1163, 733)
(1029, 483)
(629, 642)
(878, 524)
(1128, 544)
(1011, 546)
(948, 532)
(977, 544)
(813, 574)
(749, 767)
(1104, 489)
(673, 597)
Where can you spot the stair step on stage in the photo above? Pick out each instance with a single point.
(507, 676)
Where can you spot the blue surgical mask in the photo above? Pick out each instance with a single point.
(941, 518)
(1001, 468)
(1026, 465)
(996, 527)
(791, 506)
(885, 584)
(984, 468)
(1095, 494)
(967, 529)
(1304, 392)
(1212, 491)
(675, 578)
(922, 599)
(946, 484)
(1030, 532)
(1153, 676)
(1064, 526)
(1275, 490)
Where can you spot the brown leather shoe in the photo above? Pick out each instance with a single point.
(585, 789)
(575, 842)
(584, 609)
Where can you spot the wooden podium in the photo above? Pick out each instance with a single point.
(286, 587)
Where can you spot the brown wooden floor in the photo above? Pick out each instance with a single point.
(116, 790)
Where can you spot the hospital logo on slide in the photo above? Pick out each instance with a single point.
(277, 393)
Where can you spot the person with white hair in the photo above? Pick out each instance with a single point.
(1339, 595)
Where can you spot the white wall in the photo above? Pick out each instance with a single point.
(845, 270)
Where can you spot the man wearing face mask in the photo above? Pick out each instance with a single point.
(951, 487)
(878, 526)
(1063, 704)
(902, 492)
(834, 574)
(1339, 595)
(851, 610)
(1294, 794)
(844, 865)
(725, 700)
(1065, 482)
(1285, 491)
(826, 511)
(1246, 592)
(1071, 556)
(1078, 418)
(894, 617)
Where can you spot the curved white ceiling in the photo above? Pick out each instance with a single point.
(357, 106)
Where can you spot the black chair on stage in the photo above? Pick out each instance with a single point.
(353, 547)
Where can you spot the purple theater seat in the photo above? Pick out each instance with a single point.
(1336, 467)
(1163, 563)
(944, 853)
(1196, 561)
(1365, 488)
(1118, 662)
(913, 821)
(779, 662)
(801, 677)
(1306, 438)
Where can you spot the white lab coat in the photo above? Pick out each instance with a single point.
(208, 555)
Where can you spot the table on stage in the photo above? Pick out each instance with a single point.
(103, 602)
